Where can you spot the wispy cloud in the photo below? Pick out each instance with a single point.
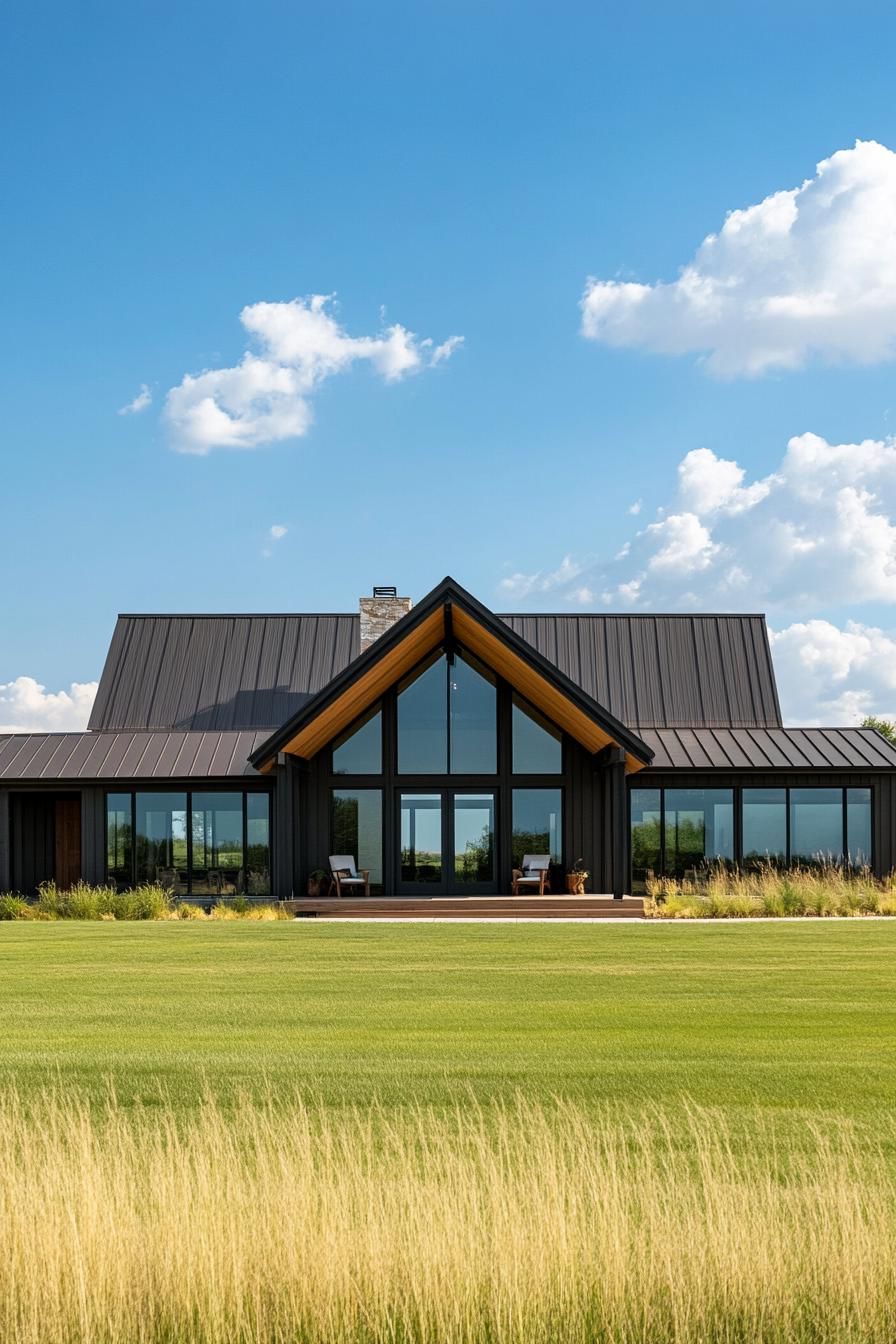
(267, 396)
(276, 532)
(142, 400)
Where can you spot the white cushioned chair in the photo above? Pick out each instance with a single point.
(535, 874)
(346, 877)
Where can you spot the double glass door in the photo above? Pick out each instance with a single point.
(446, 842)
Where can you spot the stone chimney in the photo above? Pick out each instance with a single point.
(380, 612)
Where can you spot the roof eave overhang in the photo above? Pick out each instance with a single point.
(450, 614)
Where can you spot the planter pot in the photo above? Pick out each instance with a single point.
(575, 884)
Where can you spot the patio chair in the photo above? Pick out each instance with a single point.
(345, 874)
(534, 874)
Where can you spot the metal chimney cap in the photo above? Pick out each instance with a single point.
(385, 590)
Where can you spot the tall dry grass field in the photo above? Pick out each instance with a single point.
(528, 1223)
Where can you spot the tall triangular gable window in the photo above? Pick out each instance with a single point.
(360, 750)
(537, 744)
(447, 719)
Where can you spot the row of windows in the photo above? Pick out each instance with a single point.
(450, 830)
(447, 724)
(197, 844)
(674, 831)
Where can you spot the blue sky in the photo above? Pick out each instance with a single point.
(457, 171)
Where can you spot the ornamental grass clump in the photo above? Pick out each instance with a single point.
(148, 900)
(82, 900)
(717, 892)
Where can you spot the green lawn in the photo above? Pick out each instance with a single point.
(799, 1017)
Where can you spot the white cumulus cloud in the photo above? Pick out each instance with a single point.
(832, 675)
(28, 707)
(267, 396)
(807, 271)
(812, 540)
(140, 402)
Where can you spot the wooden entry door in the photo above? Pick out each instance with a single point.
(68, 841)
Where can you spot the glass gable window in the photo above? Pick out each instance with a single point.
(447, 720)
(119, 838)
(537, 824)
(858, 827)
(537, 744)
(258, 844)
(646, 835)
(162, 840)
(216, 867)
(816, 825)
(473, 734)
(423, 722)
(699, 827)
(357, 829)
(360, 750)
(765, 825)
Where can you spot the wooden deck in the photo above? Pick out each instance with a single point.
(468, 907)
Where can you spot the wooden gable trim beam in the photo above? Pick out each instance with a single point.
(536, 688)
(369, 686)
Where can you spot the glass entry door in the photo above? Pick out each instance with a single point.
(447, 842)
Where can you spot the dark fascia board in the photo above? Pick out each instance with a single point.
(446, 592)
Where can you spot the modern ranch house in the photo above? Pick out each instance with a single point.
(436, 744)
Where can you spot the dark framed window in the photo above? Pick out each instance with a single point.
(698, 828)
(676, 830)
(472, 718)
(474, 837)
(537, 744)
(469, 772)
(258, 844)
(119, 838)
(816, 825)
(537, 824)
(646, 834)
(205, 843)
(357, 828)
(216, 856)
(764, 826)
(421, 837)
(360, 750)
(447, 719)
(161, 840)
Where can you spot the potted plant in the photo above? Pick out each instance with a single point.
(318, 882)
(576, 878)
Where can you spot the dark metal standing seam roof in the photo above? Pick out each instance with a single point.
(247, 672)
(127, 755)
(664, 671)
(769, 749)
(222, 673)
